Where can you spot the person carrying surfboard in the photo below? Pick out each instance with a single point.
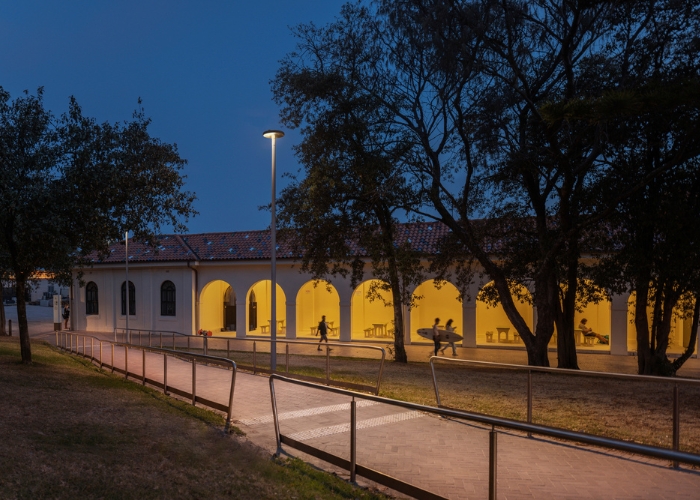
(436, 336)
(450, 341)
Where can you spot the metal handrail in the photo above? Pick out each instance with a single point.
(67, 344)
(257, 369)
(676, 381)
(493, 422)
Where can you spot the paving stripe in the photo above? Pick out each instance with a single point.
(362, 424)
(266, 419)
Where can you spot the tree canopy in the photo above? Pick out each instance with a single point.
(70, 186)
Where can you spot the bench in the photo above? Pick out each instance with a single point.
(589, 340)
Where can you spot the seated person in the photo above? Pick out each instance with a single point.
(588, 332)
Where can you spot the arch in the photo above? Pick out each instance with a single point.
(371, 318)
(491, 318)
(316, 299)
(168, 300)
(436, 302)
(259, 301)
(132, 298)
(679, 336)
(213, 304)
(92, 303)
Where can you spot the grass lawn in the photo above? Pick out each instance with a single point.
(71, 431)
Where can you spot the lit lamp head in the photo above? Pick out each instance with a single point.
(273, 134)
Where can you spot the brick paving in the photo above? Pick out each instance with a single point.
(449, 458)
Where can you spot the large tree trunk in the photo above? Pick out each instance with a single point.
(693, 337)
(641, 325)
(399, 347)
(25, 346)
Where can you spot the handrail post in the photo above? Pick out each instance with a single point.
(161, 340)
(255, 366)
(435, 384)
(228, 348)
(173, 341)
(188, 342)
(353, 439)
(493, 463)
(328, 366)
(381, 371)
(230, 396)
(126, 361)
(205, 346)
(194, 381)
(274, 413)
(529, 400)
(286, 353)
(92, 347)
(165, 374)
(143, 367)
(676, 422)
(112, 358)
(100, 354)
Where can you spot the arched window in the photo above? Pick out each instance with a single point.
(167, 299)
(132, 299)
(91, 302)
(252, 312)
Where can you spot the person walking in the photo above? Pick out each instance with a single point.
(436, 336)
(449, 328)
(66, 315)
(322, 330)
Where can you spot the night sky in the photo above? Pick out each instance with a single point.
(202, 69)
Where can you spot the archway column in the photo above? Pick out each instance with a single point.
(291, 320)
(469, 317)
(345, 321)
(618, 324)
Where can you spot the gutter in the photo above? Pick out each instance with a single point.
(196, 279)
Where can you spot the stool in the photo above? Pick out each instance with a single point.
(589, 340)
(489, 337)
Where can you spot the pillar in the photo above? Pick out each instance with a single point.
(618, 324)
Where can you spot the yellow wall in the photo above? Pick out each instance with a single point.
(365, 313)
(490, 318)
(263, 296)
(442, 303)
(211, 306)
(314, 302)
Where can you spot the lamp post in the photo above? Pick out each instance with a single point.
(273, 134)
(126, 285)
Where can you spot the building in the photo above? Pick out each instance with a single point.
(221, 282)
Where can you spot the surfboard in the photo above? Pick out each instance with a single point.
(445, 336)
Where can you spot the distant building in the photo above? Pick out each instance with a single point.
(221, 282)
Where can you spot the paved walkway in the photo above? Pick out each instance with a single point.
(446, 457)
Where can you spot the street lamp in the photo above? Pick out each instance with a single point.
(273, 134)
(126, 260)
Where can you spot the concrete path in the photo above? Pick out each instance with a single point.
(446, 457)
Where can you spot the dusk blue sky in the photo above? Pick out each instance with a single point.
(202, 69)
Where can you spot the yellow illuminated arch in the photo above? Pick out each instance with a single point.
(214, 304)
(440, 303)
(314, 302)
(258, 312)
(371, 319)
(490, 319)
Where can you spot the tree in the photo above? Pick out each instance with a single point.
(477, 92)
(69, 186)
(345, 207)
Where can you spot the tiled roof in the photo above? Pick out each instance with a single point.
(248, 245)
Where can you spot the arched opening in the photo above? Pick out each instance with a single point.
(168, 299)
(679, 337)
(92, 303)
(436, 302)
(260, 309)
(492, 324)
(315, 300)
(229, 310)
(215, 297)
(371, 319)
(132, 299)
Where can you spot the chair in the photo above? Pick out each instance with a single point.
(489, 337)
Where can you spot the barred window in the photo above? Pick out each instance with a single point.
(132, 299)
(91, 302)
(167, 299)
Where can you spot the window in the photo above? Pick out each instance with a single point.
(167, 299)
(91, 302)
(132, 299)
